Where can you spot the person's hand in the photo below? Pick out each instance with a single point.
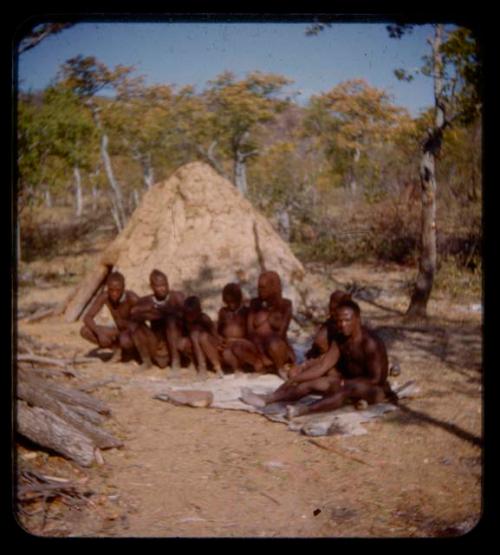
(106, 338)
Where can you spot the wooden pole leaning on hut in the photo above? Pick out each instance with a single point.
(77, 301)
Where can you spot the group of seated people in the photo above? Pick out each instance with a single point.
(346, 361)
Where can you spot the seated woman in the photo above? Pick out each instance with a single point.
(268, 321)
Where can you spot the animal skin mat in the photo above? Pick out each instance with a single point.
(225, 393)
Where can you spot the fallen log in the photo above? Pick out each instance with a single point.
(87, 388)
(41, 359)
(67, 395)
(41, 397)
(52, 432)
(50, 372)
(61, 362)
(39, 315)
(89, 414)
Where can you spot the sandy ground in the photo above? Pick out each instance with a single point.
(187, 472)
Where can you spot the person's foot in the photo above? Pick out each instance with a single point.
(292, 411)
(283, 373)
(146, 365)
(202, 374)
(116, 356)
(361, 405)
(250, 398)
(395, 369)
(174, 373)
(219, 373)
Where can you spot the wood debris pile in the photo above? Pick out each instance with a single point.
(67, 420)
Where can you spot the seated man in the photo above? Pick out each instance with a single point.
(158, 341)
(354, 368)
(236, 350)
(268, 320)
(204, 337)
(324, 335)
(120, 304)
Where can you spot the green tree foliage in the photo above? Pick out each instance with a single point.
(349, 122)
(238, 108)
(158, 126)
(86, 77)
(52, 126)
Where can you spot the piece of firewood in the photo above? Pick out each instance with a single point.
(40, 314)
(61, 362)
(42, 398)
(65, 394)
(50, 431)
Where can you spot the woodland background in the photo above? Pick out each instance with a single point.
(339, 177)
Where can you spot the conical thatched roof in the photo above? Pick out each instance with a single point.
(198, 229)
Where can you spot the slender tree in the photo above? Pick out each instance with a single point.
(239, 108)
(350, 120)
(86, 77)
(454, 66)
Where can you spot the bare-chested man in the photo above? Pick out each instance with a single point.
(326, 332)
(204, 337)
(268, 320)
(120, 303)
(159, 341)
(236, 350)
(354, 368)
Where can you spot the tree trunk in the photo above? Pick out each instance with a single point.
(116, 190)
(212, 158)
(352, 183)
(78, 191)
(148, 172)
(117, 196)
(240, 172)
(48, 198)
(431, 146)
(94, 198)
(428, 251)
(134, 195)
(283, 219)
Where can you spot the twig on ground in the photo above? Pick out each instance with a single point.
(341, 453)
(270, 497)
